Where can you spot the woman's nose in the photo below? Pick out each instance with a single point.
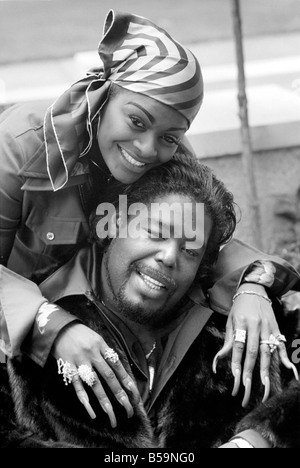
(147, 147)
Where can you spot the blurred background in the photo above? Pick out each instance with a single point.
(52, 29)
(48, 44)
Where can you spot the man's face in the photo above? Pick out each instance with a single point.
(143, 278)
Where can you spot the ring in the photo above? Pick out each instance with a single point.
(240, 335)
(87, 374)
(111, 356)
(66, 370)
(272, 342)
(281, 337)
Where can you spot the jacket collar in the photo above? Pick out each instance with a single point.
(37, 177)
(79, 276)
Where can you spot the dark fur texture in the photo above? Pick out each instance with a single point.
(195, 409)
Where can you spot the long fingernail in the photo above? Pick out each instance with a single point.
(87, 406)
(133, 389)
(215, 362)
(237, 381)
(289, 365)
(247, 392)
(108, 409)
(267, 389)
(295, 371)
(125, 402)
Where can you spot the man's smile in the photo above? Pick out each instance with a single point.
(152, 283)
(154, 278)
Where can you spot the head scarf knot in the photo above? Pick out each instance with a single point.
(137, 55)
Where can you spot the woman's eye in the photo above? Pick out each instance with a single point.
(137, 122)
(171, 140)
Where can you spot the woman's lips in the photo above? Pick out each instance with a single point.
(130, 159)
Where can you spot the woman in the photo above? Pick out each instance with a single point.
(58, 163)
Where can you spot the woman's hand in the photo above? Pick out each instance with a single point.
(254, 315)
(79, 345)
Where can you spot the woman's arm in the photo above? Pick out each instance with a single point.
(235, 262)
(251, 277)
(11, 195)
(56, 331)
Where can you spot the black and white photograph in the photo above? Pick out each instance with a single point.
(150, 226)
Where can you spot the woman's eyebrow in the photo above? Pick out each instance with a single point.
(150, 116)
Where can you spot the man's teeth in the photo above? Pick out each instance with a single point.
(152, 283)
(131, 160)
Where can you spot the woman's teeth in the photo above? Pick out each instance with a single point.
(131, 160)
(152, 283)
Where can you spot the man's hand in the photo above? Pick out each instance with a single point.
(255, 315)
(79, 345)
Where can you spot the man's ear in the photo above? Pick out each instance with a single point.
(116, 224)
(112, 230)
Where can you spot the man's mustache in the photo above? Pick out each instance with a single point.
(155, 273)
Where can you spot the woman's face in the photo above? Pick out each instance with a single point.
(137, 133)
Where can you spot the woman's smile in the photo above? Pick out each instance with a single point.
(131, 160)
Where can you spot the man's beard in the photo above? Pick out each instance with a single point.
(138, 313)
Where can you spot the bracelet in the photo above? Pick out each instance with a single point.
(240, 442)
(253, 293)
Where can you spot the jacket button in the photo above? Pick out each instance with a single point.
(50, 236)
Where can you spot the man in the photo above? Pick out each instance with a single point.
(133, 287)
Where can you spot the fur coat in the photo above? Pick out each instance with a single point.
(194, 410)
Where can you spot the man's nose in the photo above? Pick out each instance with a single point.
(146, 145)
(168, 253)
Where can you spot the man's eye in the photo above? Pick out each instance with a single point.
(192, 252)
(156, 234)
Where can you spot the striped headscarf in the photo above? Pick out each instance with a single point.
(137, 55)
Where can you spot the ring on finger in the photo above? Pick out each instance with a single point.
(272, 342)
(281, 337)
(65, 368)
(87, 374)
(111, 356)
(240, 335)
